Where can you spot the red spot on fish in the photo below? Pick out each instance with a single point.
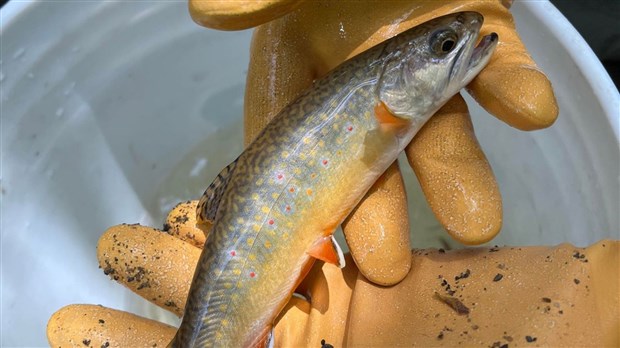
(325, 162)
(252, 274)
(233, 253)
(291, 190)
(271, 222)
(349, 128)
(288, 208)
(280, 176)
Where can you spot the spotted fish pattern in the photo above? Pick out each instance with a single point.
(286, 194)
(281, 192)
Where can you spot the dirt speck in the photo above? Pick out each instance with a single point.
(454, 303)
(325, 345)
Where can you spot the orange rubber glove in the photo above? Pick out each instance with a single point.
(546, 296)
(299, 41)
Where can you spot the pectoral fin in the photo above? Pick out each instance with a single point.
(388, 129)
(387, 119)
(210, 200)
(328, 250)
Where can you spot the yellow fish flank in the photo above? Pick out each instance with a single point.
(275, 208)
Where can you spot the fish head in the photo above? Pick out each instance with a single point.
(426, 65)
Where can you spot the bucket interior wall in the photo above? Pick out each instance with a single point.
(112, 112)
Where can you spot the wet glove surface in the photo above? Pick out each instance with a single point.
(477, 296)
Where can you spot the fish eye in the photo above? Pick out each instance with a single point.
(443, 42)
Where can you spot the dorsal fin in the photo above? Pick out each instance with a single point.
(210, 200)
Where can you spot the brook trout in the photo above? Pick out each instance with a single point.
(275, 208)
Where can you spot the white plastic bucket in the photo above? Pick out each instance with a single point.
(114, 111)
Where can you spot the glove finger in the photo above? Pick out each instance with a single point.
(270, 86)
(304, 324)
(239, 14)
(292, 323)
(98, 326)
(181, 223)
(153, 264)
(377, 231)
(455, 176)
(511, 86)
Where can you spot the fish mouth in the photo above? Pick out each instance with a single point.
(480, 55)
(483, 49)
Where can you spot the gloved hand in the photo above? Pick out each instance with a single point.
(299, 41)
(546, 296)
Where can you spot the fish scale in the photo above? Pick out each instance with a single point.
(297, 182)
(266, 165)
